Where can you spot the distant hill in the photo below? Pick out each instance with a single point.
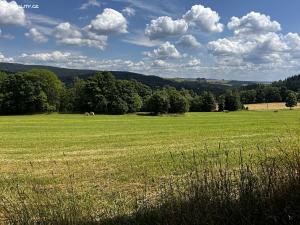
(198, 85)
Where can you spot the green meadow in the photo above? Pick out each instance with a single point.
(120, 153)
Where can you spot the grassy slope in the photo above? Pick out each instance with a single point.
(118, 154)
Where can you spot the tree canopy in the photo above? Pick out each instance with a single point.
(40, 90)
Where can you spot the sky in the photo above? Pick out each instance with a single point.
(222, 39)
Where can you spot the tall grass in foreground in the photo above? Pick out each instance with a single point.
(263, 189)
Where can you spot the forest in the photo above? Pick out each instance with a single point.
(40, 90)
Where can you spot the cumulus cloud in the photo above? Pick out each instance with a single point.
(66, 30)
(95, 34)
(65, 33)
(269, 48)
(182, 67)
(109, 22)
(256, 43)
(204, 19)
(55, 56)
(128, 11)
(188, 41)
(164, 51)
(5, 59)
(253, 23)
(58, 58)
(90, 3)
(36, 36)
(194, 62)
(71, 60)
(229, 46)
(11, 13)
(293, 40)
(165, 26)
(198, 17)
(160, 64)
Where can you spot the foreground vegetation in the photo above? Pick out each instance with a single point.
(261, 190)
(137, 169)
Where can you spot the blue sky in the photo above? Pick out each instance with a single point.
(232, 39)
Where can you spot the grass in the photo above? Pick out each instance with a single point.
(269, 106)
(110, 160)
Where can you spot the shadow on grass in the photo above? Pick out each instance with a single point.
(146, 114)
(166, 115)
(270, 196)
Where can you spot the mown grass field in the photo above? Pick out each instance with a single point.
(117, 155)
(269, 106)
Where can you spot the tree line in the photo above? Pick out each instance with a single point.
(39, 91)
(279, 91)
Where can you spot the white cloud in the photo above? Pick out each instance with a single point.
(177, 68)
(36, 36)
(253, 23)
(269, 48)
(128, 11)
(73, 60)
(204, 19)
(65, 33)
(11, 13)
(229, 46)
(164, 51)
(293, 41)
(5, 59)
(256, 44)
(90, 3)
(188, 41)
(194, 62)
(66, 30)
(109, 22)
(58, 58)
(164, 26)
(160, 64)
(44, 24)
(55, 56)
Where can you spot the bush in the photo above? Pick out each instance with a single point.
(291, 100)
